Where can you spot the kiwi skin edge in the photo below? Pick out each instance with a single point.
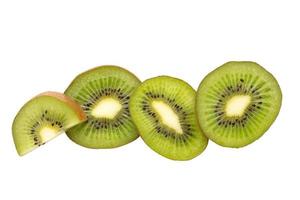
(95, 68)
(76, 107)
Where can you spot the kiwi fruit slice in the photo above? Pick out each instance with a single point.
(43, 118)
(104, 93)
(163, 109)
(237, 103)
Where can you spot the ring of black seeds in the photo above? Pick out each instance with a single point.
(107, 123)
(44, 119)
(239, 89)
(160, 128)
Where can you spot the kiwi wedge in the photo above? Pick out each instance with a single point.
(237, 103)
(104, 93)
(163, 109)
(43, 118)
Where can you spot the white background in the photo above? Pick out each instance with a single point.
(45, 44)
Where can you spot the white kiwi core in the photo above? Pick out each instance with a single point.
(106, 108)
(48, 133)
(167, 115)
(236, 105)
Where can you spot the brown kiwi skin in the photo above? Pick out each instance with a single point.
(78, 110)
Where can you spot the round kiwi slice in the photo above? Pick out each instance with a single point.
(43, 118)
(104, 93)
(163, 109)
(237, 103)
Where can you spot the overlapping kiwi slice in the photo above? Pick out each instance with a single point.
(43, 118)
(237, 103)
(104, 93)
(163, 109)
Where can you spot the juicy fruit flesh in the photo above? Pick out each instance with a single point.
(167, 115)
(42, 119)
(236, 105)
(106, 108)
(104, 93)
(178, 102)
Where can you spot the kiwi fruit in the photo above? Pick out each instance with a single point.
(43, 118)
(237, 103)
(163, 109)
(104, 93)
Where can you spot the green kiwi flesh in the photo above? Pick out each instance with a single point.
(237, 103)
(104, 93)
(43, 118)
(163, 109)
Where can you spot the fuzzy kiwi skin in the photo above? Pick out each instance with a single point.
(22, 143)
(240, 67)
(75, 106)
(199, 140)
(76, 134)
